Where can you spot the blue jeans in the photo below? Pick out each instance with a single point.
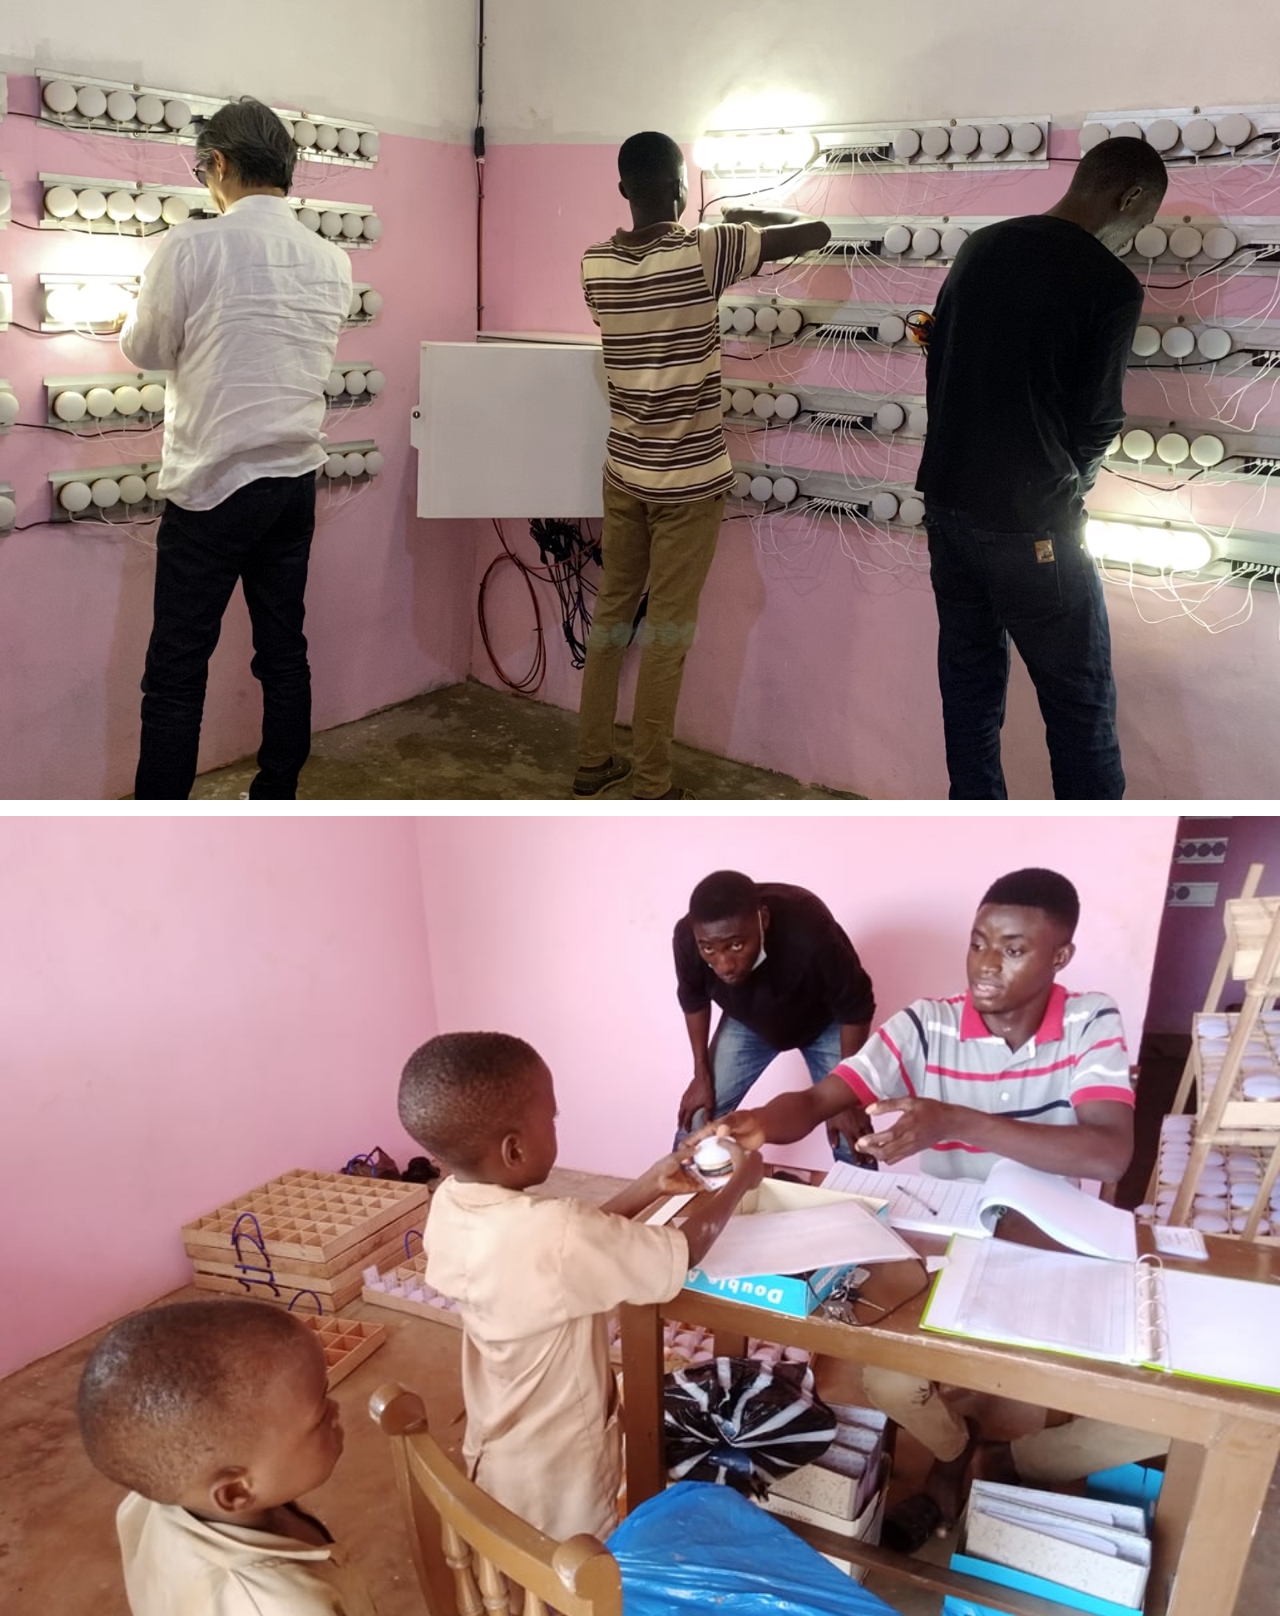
(1042, 591)
(739, 1056)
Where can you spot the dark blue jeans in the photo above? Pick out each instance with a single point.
(260, 535)
(1042, 591)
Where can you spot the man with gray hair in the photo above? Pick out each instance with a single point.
(244, 312)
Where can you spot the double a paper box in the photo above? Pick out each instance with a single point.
(795, 1294)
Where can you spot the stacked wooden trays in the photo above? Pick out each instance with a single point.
(305, 1235)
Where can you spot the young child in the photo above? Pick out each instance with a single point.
(216, 1416)
(534, 1277)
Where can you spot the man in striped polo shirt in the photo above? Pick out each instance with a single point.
(653, 292)
(1017, 1067)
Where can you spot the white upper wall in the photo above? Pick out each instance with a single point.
(406, 66)
(597, 70)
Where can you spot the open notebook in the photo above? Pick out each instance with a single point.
(1136, 1313)
(968, 1206)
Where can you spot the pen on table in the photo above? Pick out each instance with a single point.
(919, 1200)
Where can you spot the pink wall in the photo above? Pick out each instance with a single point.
(787, 613)
(558, 930)
(386, 613)
(1191, 939)
(190, 1007)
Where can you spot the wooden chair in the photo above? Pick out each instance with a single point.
(467, 1549)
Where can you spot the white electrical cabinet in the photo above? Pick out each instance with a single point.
(511, 429)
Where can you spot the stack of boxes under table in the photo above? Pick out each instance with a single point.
(844, 1490)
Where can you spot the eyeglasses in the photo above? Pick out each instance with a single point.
(200, 170)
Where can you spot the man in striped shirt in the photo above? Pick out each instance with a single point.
(653, 291)
(1017, 1067)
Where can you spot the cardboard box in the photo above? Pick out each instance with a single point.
(1116, 1571)
(864, 1529)
(840, 1484)
(797, 1295)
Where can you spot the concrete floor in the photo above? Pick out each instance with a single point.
(58, 1554)
(467, 742)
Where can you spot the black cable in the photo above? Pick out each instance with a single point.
(565, 552)
(738, 196)
(1213, 269)
(89, 437)
(1173, 488)
(755, 358)
(72, 331)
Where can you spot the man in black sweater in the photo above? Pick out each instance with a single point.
(1027, 354)
(785, 976)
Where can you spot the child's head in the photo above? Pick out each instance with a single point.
(220, 1406)
(1021, 938)
(484, 1103)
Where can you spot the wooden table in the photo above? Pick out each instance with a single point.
(1224, 1441)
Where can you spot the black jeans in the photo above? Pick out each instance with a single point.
(1042, 591)
(260, 535)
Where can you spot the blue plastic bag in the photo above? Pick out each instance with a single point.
(698, 1547)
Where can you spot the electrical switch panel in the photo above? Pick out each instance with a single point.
(351, 463)
(775, 488)
(1222, 346)
(106, 493)
(111, 107)
(91, 304)
(773, 320)
(366, 304)
(1172, 448)
(1193, 134)
(125, 208)
(115, 400)
(747, 404)
(933, 241)
(352, 384)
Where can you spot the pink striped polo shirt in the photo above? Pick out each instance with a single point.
(940, 1049)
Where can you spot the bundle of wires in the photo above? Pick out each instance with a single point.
(565, 549)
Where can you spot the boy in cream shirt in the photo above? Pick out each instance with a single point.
(216, 1415)
(535, 1278)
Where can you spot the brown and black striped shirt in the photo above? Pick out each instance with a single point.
(656, 305)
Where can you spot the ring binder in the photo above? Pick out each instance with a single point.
(1153, 1311)
(1202, 1325)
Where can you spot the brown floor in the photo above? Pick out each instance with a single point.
(467, 742)
(58, 1554)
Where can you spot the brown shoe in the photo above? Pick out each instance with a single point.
(591, 782)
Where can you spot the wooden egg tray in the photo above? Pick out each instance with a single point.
(346, 1343)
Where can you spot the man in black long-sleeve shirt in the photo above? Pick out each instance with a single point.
(785, 976)
(1027, 354)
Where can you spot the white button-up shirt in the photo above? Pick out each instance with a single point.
(243, 311)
